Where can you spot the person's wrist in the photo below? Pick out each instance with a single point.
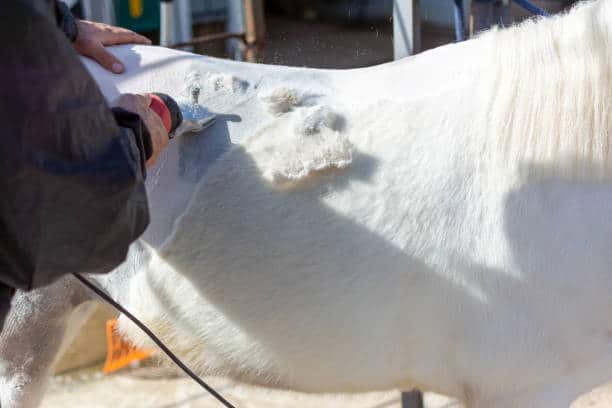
(66, 21)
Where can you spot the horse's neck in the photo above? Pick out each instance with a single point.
(547, 91)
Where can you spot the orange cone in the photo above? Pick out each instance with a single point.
(120, 353)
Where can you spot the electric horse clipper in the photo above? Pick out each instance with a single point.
(179, 119)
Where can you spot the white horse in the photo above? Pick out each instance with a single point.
(441, 221)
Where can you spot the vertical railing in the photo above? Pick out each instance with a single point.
(406, 28)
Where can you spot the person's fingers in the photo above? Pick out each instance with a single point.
(158, 134)
(152, 160)
(156, 128)
(122, 36)
(139, 104)
(146, 99)
(141, 99)
(105, 58)
(135, 38)
(155, 121)
(94, 36)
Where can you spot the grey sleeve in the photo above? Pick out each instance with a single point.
(72, 195)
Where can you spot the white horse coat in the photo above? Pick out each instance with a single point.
(440, 221)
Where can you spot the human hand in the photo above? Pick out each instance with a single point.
(92, 37)
(139, 104)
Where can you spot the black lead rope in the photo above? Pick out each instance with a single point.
(153, 337)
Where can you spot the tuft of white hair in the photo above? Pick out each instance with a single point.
(281, 99)
(300, 143)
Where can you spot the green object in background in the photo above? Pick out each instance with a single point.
(137, 15)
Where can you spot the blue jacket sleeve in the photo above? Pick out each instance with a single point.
(72, 194)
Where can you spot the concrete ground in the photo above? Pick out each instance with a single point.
(290, 42)
(158, 388)
(139, 389)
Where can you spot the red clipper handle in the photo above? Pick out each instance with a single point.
(158, 105)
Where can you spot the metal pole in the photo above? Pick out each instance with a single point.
(406, 28)
(412, 399)
(235, 24)
(487, 13)
(459, 20)
(166, 16)
(254, 22)
(208, 38)
(255, 25)
(532, 8)
(101, 11)
(184, 31)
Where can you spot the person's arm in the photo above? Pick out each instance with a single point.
(72, 195)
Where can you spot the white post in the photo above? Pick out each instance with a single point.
(406, 28)
(166, 16)
(101, 11)
(235, 24)
(184, 29)
(108, 12)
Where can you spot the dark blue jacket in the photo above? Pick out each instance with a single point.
(72, 195)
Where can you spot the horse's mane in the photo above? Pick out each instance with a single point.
(548, 90)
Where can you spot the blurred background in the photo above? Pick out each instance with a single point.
(312, 33)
